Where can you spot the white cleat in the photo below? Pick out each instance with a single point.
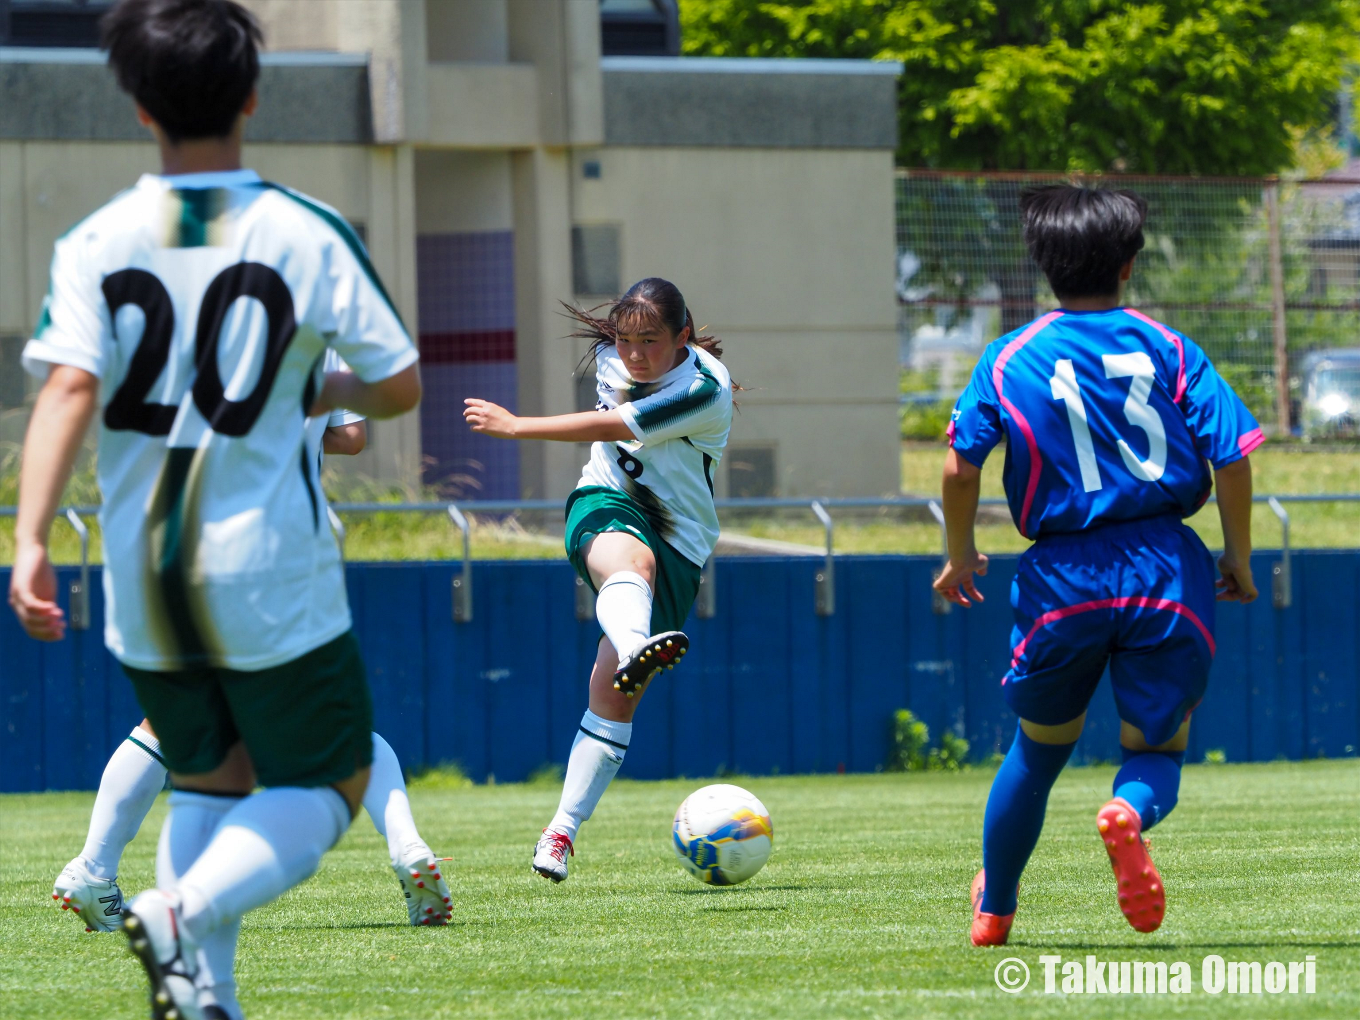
(422, 881)
(550, 855)
(96, 901)
(155, 936)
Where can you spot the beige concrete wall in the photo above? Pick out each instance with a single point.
(542, 218)
(473, 30)
(289, 25)
(787, 255)
(47, 187)
(482, 105)
(561, 38)
(58, 185)
(460, 191)
(13, 257)
(391, 32)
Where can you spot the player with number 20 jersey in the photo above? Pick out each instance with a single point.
(206, 304)
(193, 315)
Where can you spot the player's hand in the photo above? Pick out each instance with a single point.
(489, 419)
(956, 582)
(33, 594)
(1236, 584)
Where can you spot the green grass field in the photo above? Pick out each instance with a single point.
(861, 912)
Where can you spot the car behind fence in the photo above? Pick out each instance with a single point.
(1260, 272)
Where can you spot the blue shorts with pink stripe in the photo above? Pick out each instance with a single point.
(1137, 596)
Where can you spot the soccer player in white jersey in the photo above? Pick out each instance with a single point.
(192, 313)
(641, 522)
(88, 885)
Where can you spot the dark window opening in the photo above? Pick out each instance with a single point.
(13, 378)
(639, 28)
(587, 395)
(596, 259)
(751, 472)
(71, 23)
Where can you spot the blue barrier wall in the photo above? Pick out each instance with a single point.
(769, 686)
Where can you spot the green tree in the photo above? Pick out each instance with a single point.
(1174, 87)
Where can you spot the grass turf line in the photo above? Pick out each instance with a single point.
(861, 912)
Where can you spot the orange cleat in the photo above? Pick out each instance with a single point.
(1142, 897)
(988, 929)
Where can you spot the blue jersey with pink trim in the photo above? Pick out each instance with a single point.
(1108, 416)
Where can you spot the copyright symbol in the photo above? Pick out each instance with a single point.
(1012, 975)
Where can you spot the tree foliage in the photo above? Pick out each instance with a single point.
(1177, 86)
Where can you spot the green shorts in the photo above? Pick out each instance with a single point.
(308, 722)
(596, 510)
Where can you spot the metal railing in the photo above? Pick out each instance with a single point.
(80, 588)
(1281, 581)
(706, 603)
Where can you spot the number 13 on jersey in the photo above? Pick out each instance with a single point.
(1137, 411)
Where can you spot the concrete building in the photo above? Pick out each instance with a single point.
(496, 165)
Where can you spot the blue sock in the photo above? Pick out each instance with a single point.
(1015, 816)
(1150, 781)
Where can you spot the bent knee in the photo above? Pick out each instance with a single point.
(353, 789)
(1131, 737)
(1062, 733)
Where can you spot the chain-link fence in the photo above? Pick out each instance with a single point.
(1261, 273)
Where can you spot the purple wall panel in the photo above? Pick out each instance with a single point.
(466, 294)
(471, 466)
(466, 282)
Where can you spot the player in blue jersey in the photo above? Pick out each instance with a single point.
(1117, 428)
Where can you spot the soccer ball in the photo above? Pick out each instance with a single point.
(722, 834)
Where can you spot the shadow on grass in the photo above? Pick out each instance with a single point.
(366, 926)
(749, 890)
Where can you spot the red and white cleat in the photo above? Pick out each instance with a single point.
(96, 901)
(988, 929)
(422, 882)
(550, 855)
(1142, 897)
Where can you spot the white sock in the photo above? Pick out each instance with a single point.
(187, 831)
(595, 758)
(128, 788)
(386, 801)
(189, 828)
(624, 609)
(217, 967)
(268, 843)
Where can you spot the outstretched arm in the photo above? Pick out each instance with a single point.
(961, 488)
(1234, 510)
(60, 417)
(586, 427)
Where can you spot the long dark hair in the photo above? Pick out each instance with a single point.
(651, 303)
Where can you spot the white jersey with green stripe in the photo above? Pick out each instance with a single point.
(681, 422)
(206, 304)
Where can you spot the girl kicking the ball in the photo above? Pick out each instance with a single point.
(641, 522)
